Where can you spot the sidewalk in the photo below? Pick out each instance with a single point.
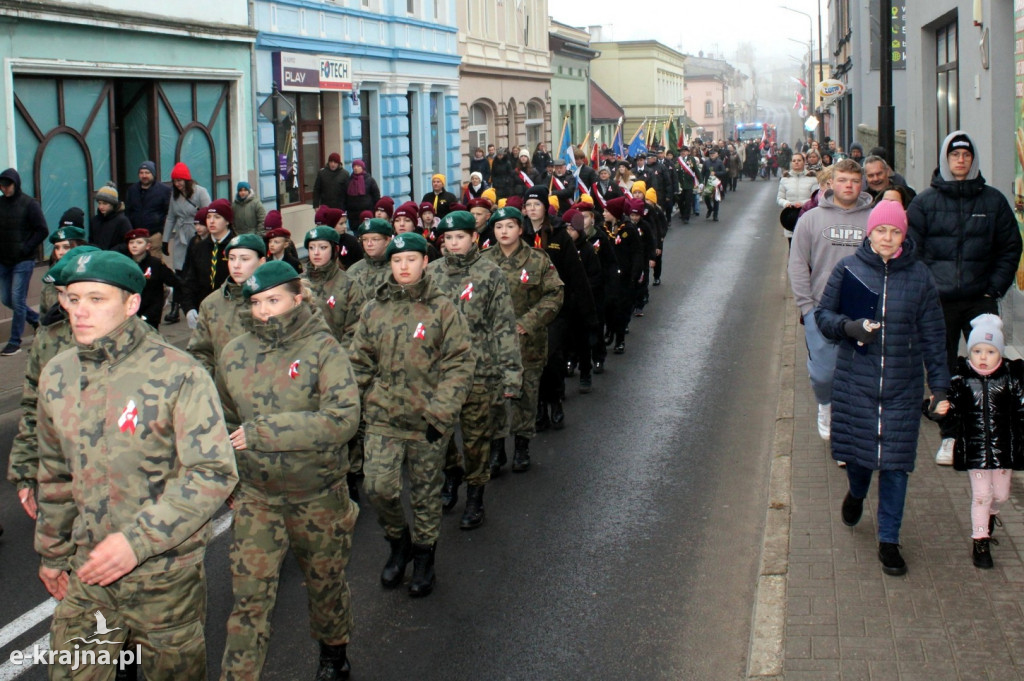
(844, 619)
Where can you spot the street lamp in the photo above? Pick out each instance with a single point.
(810, 52)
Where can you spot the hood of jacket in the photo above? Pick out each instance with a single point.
(459, 263)
(12, 175)
(826, 202)
(944, 171)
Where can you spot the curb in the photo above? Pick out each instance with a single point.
(768, 628)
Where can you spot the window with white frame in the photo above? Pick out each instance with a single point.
(478, 128)
(534, 123)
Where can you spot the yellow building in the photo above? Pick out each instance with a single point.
(645, 77)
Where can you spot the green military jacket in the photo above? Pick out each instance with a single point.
(289, 385)
(478, 288)
(24, 460)
(223, 315)
(367, 276)
(537, 294)
(412, 358)
(47, 298)
(131, 440)
(332, 288)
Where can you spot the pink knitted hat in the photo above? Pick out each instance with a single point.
(888, 213)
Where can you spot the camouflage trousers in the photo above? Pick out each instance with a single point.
(355, 450)
(164, 613)
(385, 457)
(482, 415)
(524, 409)
(319, 533)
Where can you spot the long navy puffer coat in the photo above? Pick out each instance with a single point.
(876, 395)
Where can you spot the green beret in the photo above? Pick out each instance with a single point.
(250, 241)
(70, 233)
(505, 213)
(106, 267)
(322, 233)
(55, 275)
(457, 220)
(405, 243)
(376, 226)
(273, 273)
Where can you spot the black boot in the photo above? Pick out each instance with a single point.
(173, 316)
(422, 570)
(473, 517)
(401, 553)
(353, 486)
(982, 555)
(557, 415)
(498, 458)
(543, 420)
(333, 663)
(521, 456)
(450, 489)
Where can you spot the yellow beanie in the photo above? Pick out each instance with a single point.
(501, 203)
(490, 194)
(651, 195)
(439, 176)
(639, 186)
(553, 201)
(587, 198)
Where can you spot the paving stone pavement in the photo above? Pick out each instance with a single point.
(945, 620)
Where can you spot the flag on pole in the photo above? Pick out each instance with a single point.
(637, 145)
(565, 144)
(594, 158)
(671, 137)
(617, 146)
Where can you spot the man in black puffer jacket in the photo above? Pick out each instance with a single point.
(967, 234)
(22, 229)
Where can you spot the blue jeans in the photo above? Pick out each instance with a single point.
(892, 492)
(14, 280)
(821, 360)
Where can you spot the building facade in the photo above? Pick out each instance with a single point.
(370, 79)
(505, 75)
(570, 81)
(709, 97)
(92, 89)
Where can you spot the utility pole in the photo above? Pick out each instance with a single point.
(886, 111)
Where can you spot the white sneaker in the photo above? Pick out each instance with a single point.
(824, 420)
(944, 457)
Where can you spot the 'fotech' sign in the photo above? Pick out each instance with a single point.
(297, 72)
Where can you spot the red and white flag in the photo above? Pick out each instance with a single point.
(524, 276)
(331, 302)
(148, 273)
(293, 370)
(467, 293)
(344, 251)
(129, 418)
(421, 332)
(525, 178)
(486, 244)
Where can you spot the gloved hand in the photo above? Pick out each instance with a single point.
(433, 434)
(166, 248)
(861, 330)
(192, 318)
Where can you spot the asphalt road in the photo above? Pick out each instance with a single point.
(628, 551)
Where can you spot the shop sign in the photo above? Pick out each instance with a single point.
(297, 72)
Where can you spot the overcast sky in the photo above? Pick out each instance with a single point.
(712, 26)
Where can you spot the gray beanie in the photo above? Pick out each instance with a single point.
(987, 328)
(150, 166)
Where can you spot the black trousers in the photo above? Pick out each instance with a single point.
(684, 200)
(552, 379)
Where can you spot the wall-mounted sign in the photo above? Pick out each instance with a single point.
(829, 90)
(297, 72)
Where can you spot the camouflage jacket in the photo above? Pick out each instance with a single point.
(47, 298)
(478, 288)
(289, 385)
(131, 440)
(223, 315)
(367, 276)
(537, 294)
(412, 358)
(331, 286)
(24, 460)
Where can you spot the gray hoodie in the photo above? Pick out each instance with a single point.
(823, 236)
(944, 171)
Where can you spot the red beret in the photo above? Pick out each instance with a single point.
(567, 215)
(426, 206)
(514, 201)
(222, 207)
(276, 232)
(139, 233)
(325, 215)
(408, 209)
(200, 217)
(273, 220)
(480, 203)
(616, 206)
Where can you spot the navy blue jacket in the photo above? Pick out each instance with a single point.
(876, 395)
(147, 208)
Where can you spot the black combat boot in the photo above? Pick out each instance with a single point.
(173, 316)
(450, 488)
(422, 570)
(353, 486)
(473, 517)
(498, 458)
(401, 553)
(557, 415)
(521, 456)
(982, 554)
(333, 663)
(543, 420)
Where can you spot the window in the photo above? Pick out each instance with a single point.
(478, 127)
(947, 86)
(709, 109)
(534, 124)
(300, 149)
(436, 130)
(410, 6)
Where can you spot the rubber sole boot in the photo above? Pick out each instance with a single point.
(334, 664)
(892, 561)
(852, 510)
(401, 553)
(557, 415)
(981, 555)
(543, 421)
(450, 488)
(473, 516)
(173, 316)
(498, 457)
(422, 570)
(521, 455)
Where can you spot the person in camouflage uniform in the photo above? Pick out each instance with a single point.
(537, 294)
(53, 337)
(224, 314)
(478, 288)
(412, 358)
(65, 238)
(134, 460)
(291, 403)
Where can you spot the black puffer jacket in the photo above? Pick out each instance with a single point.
(986, 416)
(966, 233)
(22, 223)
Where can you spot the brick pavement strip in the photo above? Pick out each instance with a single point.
(842, 617)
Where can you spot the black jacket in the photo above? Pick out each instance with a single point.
(147, 208)
(195, 282)
(986, 416)
(441, 202)
(366, 201)
(108, 231)
(579, 301)
(502, 176)
(157, 276)
(22, 223)
(329, 188)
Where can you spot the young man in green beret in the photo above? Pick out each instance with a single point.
(412, 359)
(134, 460)
(478, 288)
